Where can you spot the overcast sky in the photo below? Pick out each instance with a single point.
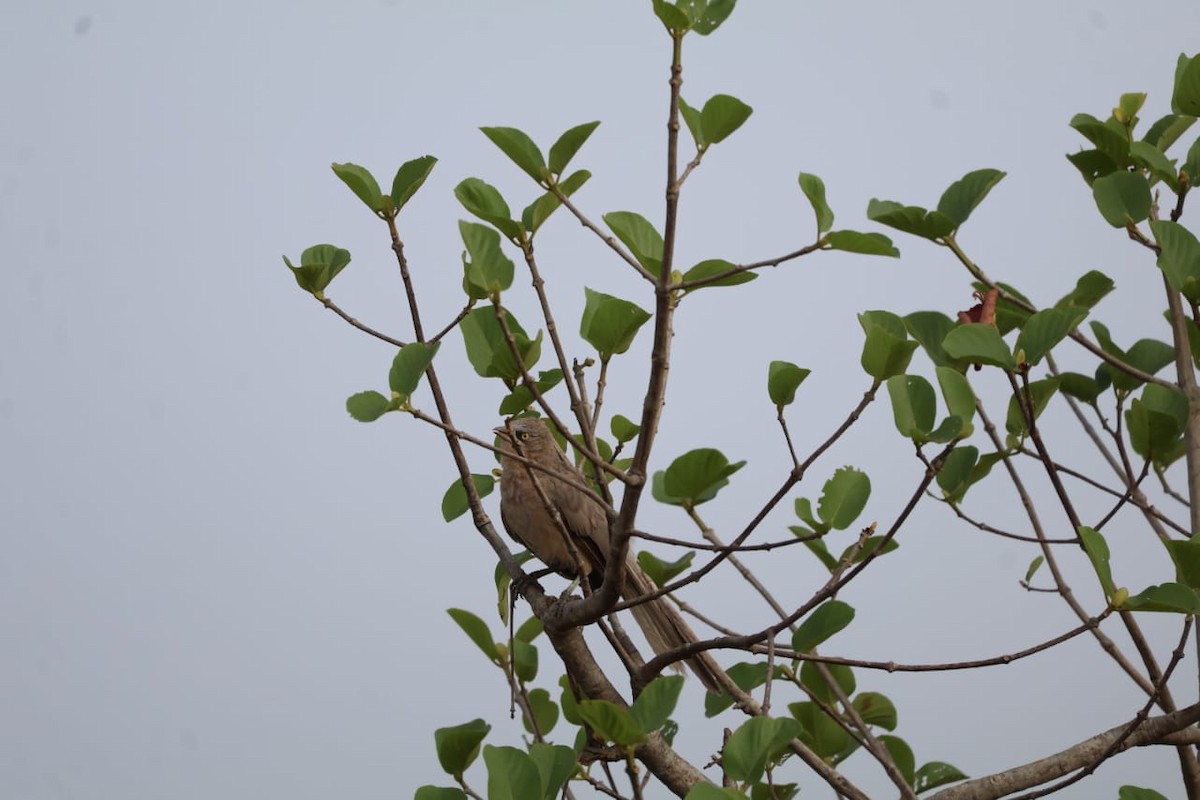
(214, 583)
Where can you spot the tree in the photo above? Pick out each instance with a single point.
(1141, 429)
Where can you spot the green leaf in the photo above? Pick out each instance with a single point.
(715, 266)
(1186, 555)
(454, 501)
(611, 722)
(477, 630)
(814, 189)
(935, 774)
(458, 746)
(525, 660)
(537, 212)
(671, 17)
(707, 791)
(439, 793)
(876, 709)
(512, 775)
(555, 763)
(487, 349)
(568, 701)
(1040, 393)
(871, 244)
(955, 476)
(1186, 97)
(1034, 566)
(714, 13)
(1093, 164)
(824, 621)
(636, 233)
(965, 194)
(1169, 597)
(694, 478)
(656, 702)
(1128, 106)
(887, 350)
(521, 150)
(367, 406)
(931, 225)
(929, 328)
(759, 741)
(545, 714)
(773, 791)
(1081, 387)
(1122, 197)
(823, 735)
(521, 397)
(1089, 290)
(843, 497)
(814, 681)
(661, 572)
(748, 676)
(783, 378)
(979, 343)
(721, 116)
(1110, 137)
(362, 183)
(1151, 159)
(1097, 552)
(1156, 423)
(1192, 164)
(1043, 331)
(486, 270)
(1180, 257)
(609, 323)
(319, 265)
(484, 201)
(624, 429)
(902, 755)
(409, 365)
(409, 178)
(914, 406)
(960, 397)
(691, 118)
(563, 150)
(1167, 130)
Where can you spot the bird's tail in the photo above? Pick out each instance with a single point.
(665, 628)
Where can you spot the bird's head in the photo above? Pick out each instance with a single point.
(529, 433)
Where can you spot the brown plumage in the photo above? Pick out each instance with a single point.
(528, 521)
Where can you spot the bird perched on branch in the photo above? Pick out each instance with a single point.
(579, 549)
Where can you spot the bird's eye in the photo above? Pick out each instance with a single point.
(523, 436)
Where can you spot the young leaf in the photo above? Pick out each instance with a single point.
(362, 183)
(871, 244)
(960, 397)
(825, 736)
(843, 497)
(887, 350)
(409, 365)
(1179, 258)
(961, 198)
(636, 233)
(439, 793)
(563, 150)
(1040, 393)
(876, 709)
(1043, 331)
(902, 755)
(1170, 597)
(454, 501)
(672, 18)
(537, 212)
(914, 406)
(656, 702)
(1097, 551)
(721, 116)
(624, 429)
(814, 681)
(477, 630)
(487, 271)
(545, 713)
(611, 722)
(367, 406)
(609, 323)
(691, 118)
(409, 178)
(980, 344)
(521, 397)
(783, 378)
(1186, 98)
(717, 266)
(555, 762)
(714, 13)
(934, 774)
(931, 225)
(487, 349)
(458, 746)
(661, 572)
(484, 201)
(758, 742)
(954, 478)
(512, 775)
(1122, 197)
(520, 149)
(929, 328)
(814, 189)
(694, 478)
(1089, 290)
(319, 265)
(826, 620)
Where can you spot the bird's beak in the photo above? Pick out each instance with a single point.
(502, 432)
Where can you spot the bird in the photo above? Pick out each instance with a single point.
(584, 556)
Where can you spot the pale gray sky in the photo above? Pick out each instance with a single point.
(216, 584)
